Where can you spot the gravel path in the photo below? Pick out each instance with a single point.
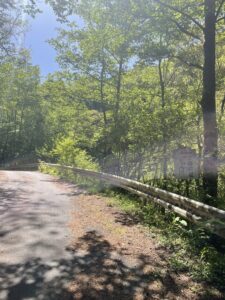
(59, 243)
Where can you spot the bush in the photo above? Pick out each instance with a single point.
(67, 152)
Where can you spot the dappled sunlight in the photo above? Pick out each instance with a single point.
(30, 225)
(94, 271)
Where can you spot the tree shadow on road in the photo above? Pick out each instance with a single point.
(94, 271)
(106, 274)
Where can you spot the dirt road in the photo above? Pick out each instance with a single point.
(58, 243)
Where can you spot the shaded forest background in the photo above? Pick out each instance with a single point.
(134, 85)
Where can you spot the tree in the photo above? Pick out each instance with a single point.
(21, 127)
(191, 24)
(101, 52)
(11, 23)
(170, 39)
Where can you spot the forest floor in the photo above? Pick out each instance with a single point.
(59, 242)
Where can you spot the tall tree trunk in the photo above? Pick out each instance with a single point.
(210, 172)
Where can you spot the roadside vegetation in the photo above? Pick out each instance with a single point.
(191, 249)
(137, 80)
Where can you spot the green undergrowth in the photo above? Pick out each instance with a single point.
(191, 249)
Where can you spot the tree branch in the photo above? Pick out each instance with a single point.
(222, 105)
(220, 19)
(219, 8)
(181, 12)
(184, 30)
(190, 64)
(222, 109)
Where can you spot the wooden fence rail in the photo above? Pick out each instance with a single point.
(194, 211)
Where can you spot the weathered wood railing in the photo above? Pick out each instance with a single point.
(194, 211)
(202, 214)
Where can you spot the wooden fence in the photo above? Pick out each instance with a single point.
(196, 212)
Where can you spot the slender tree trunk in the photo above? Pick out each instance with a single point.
(117, 140)
(210, 172)
(118, 90)
(15, 133)
(199, 144)
(103, 106)
(102, 93)
(140, 165)
(162, 88)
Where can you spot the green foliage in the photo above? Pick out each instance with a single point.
(67, 152)
(48, 170)
(21, 128)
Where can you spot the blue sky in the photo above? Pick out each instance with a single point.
(40, 29)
